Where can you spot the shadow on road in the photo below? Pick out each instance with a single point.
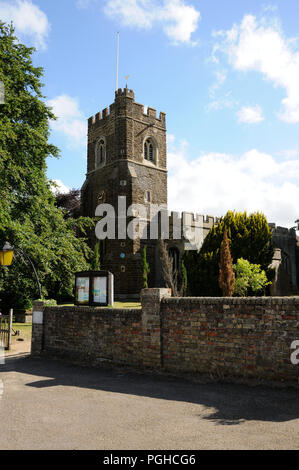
(228, 404)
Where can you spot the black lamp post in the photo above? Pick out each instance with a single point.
(6, 258)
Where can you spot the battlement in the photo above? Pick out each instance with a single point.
(196, 220)
(151, 113)
(124, 92)
(188, 219)
(138, 110)
(100, 116)
(276, 230)
(186, 226)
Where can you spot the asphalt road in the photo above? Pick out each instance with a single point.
(49, 405)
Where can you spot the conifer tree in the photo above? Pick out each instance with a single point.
(250, 238)
(184, 278)
(95, 262)
(226, 272)
(145, 269)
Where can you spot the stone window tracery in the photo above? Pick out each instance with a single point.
(149, 150)
(100, 153)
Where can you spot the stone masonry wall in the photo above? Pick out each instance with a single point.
(92, 334)
(225, 337)
(233, 337)
(124, 127)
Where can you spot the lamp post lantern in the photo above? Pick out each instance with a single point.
(6, 254)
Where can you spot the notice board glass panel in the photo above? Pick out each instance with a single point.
(82, 290)
(99, 290)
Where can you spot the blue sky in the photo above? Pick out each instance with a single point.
(225, 72)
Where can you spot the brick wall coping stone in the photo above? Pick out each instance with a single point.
(233, 300)
(95, 310)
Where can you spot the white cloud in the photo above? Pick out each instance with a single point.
(218, 99)
(250, 114)
(288, 154)
(28, 19)
(214, 183)
(70, 119)
(177, 19)
(260, 45)
(137, 13)
(220, 79)
(59, 187)
(181, 20)
(224, 101)
(170, 140)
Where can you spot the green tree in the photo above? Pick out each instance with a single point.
(145, 268)
(69, 203)
(249, 278)
(29, 218)
(95, 261)
(226, 273)
(250, 238)
(184, 276)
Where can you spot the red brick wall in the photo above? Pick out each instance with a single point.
(236, 337)
(91, 335)
(248, 337)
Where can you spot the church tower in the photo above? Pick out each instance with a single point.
(126, 157)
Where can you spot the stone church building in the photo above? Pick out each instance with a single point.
(127, 157)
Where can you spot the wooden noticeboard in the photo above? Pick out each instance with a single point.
(94, 288)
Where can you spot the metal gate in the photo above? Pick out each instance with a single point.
(5, 330)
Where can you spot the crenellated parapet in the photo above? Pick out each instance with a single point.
(100, 117)
(124, 93)
(149, 114)
(125, 106)
(188, 227)
(282, 231)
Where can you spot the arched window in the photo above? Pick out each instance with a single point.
(149, 150)
(147, 196)
(100, 153)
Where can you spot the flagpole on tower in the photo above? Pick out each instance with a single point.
(117, 57)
